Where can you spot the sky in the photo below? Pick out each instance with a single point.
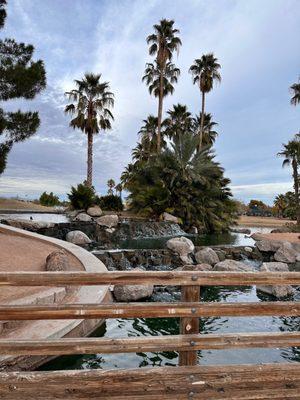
(256, 42)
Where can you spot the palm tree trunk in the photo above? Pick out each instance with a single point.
(202, 121)
(296, 187)
(159, 114)
(89, 177)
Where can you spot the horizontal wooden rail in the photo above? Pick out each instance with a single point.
(148, 310)
(181, 278)
(58, 347)
(228, 382)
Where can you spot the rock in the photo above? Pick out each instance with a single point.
(246, 231)
(286, 253)
(110, 230)
(28, 224)
(77, 237)
(83, 217)
(132, 292)
(277, 291)
(198, 267)
(94, 211)
(207, 256)
(169, 217)
(256, 236)
(181, 245)
(221, 254)
(72, 214)
(268, 245)
(233, 266)
(57, 261)
(109, 221)
(186, 260)
(248, 249)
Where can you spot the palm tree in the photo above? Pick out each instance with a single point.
(111, 184)
(178, 122)
(119, 188)
(291, 154)
(148, 133)
(162, 44)
(209, 134)
(296, 93)
(280, 204)
(205, 71)
(91, 105)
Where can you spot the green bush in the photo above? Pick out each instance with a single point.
(110, 202)
(49, 200)
(82, 196)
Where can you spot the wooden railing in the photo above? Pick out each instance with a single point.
(189, 380)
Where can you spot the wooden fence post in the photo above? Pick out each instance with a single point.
(189, 325)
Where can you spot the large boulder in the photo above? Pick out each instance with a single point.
(181, 245)
(77, 237)
(207, 256)
(286, 253)
(109, 221)
(132, 292)
(268, 245)
(169, 217)
(94, 211)
(232, 266)
(83, 217)
(276, 291)
(57, 261)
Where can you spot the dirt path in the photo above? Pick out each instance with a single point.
(12, 204)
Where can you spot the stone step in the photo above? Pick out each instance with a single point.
(47, 296)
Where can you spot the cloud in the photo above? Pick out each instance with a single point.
(259, 62)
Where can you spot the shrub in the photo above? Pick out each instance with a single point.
(110, 202)
(49, 200)
(82, 196)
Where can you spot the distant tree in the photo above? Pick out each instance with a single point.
(291, 154)
(257, 204)
(111, 202)
(296, 93)
(178, 122)
(20, 77)
(162, 44)
(49, 200)
(280, 204)
(205, 72)
(119, 189)
(91, 104)
(111, 184)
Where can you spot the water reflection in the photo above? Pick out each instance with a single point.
(165, 326)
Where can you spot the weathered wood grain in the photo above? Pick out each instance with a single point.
(148, 310)
(189, 325)
(183, 278)
(183, 343)
(239, 382)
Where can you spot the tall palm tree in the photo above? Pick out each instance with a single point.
(111, 184)
(119, 189)
(296, 93)
(209, 132)
(205, 72)
(291, 154)
(91, 103)
(162, 44)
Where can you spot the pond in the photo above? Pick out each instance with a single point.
(39, 217)
(230, 238)
(120, 328)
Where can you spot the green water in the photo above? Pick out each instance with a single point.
(121, 328)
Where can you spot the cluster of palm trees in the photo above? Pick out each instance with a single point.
(161, 75)
(291, 152)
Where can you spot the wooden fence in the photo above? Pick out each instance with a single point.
(188, 380)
